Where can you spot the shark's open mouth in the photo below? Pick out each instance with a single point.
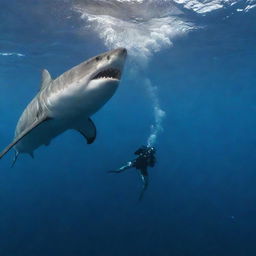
(109, 73)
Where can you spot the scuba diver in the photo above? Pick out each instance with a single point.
(145, 158)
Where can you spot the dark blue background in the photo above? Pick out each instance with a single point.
(201, 198)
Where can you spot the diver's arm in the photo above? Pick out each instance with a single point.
(123, 168)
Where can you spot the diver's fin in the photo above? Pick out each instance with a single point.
(24, 133)
(145, 186)
(15, 158)
(88, 130)
(46, 79)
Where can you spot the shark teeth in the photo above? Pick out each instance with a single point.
(108, 74)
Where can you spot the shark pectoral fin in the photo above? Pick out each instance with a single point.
(46, 79)
(88, 130)
(24, 133)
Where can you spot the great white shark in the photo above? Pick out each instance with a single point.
(68, 102)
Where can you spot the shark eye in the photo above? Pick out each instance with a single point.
(98, 58)
(108, 57)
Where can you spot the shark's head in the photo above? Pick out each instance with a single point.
(109, 65)
(87, 87)
(104, 77)
(107, 68)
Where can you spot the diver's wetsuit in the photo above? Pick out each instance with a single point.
(146, 157)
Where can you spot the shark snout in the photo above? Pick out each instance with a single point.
(117, 58)
(119, 53)
(122, 52)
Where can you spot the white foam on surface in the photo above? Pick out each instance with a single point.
(12, 54)
(208, 6)
(142, 35)
(147, 26)
(131, 1)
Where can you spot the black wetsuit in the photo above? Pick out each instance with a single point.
(145, 158)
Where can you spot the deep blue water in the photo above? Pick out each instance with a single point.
(201, 196)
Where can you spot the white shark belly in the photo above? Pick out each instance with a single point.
(76, 100)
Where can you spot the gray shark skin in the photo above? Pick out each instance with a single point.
(68, 102)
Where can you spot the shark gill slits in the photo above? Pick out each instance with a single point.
(109, 73)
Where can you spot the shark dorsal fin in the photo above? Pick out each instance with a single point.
(46, 78)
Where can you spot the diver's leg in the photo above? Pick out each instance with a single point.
(144, 177)
(123, 168)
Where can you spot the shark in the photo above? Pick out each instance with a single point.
(68, 102)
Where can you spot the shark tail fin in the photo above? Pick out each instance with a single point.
(35, 124)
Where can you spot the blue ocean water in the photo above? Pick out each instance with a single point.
(189, 81)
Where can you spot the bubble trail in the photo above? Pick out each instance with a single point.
(159, 113)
